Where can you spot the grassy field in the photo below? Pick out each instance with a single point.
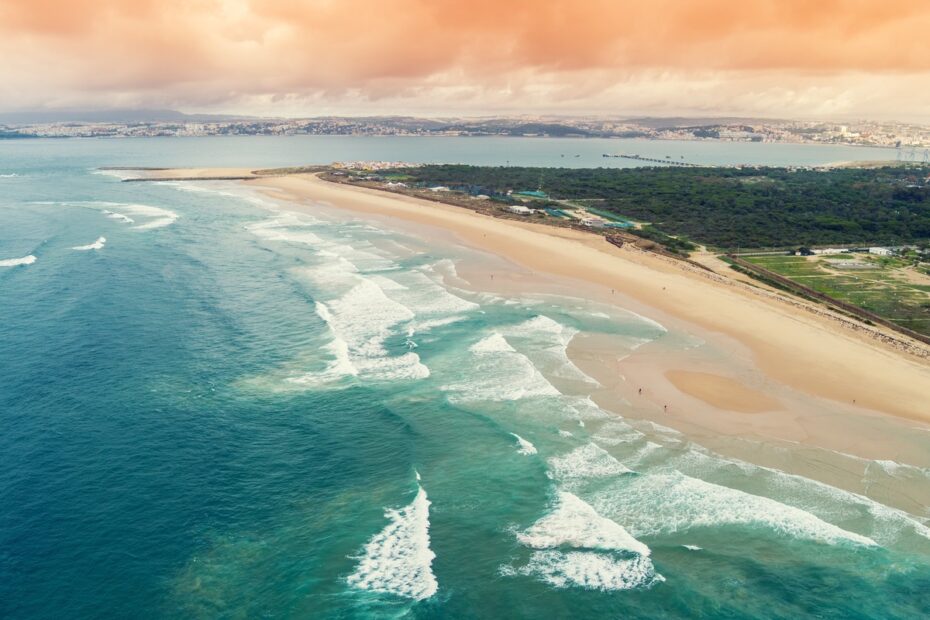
(887, 286)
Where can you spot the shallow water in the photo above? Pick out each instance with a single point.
(227, 409)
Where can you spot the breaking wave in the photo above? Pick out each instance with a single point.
(96, 245)
(549, 340)
(586, 462)
(157, 217)
(524, 447)
(14, 262)
(125, 219)
(669, 503)
(398, 559)
(500, 373)
(575, 546)
(360, 322)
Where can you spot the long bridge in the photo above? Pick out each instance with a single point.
(666, 162)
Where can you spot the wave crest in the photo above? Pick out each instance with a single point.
(398, 559)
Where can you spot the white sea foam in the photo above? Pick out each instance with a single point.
(592, 571)
(895, 469)
(549, 341)
(339, 368)
(574, 523)
(500, 373)
(446, 265)
(585, 462)
(9, 175)
(212, 187)
(14, 262)
(360, 322)
(364, 316)
(286, 227)
(336, 275)
(615, 433)
(692, 547)
(525, 447)
(119, 174)
(96, 245)
(398, 559)
(430, 300)
(584, 408)
(364, 306)
(118, 216)
(887, 524)
(669, 503)
(422, 326)
(156, 217)
(433, 305)
(153, 217)
(645, 319)
(359, 256)
(575, 546)
(495, 343)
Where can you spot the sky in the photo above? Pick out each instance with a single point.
(818, 59)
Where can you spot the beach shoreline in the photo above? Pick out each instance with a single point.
(894, 383)
(793, 344)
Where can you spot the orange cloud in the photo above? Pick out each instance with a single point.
(194, 53)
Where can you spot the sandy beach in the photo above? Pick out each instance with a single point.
(782, 361)
(793, 347)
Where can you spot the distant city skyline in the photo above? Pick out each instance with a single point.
(826, 60)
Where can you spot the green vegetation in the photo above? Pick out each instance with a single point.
(887, 286)
(728, 207)
(673, 244)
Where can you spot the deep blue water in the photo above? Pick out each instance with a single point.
(210, 415)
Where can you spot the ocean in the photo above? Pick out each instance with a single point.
(214, 406)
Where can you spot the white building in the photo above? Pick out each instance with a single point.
(880, 251)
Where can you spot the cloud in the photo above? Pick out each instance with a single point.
(443, 55)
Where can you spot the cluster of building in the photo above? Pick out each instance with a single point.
(890, 135)
(874, 250)
(911, 138)
(372, 166)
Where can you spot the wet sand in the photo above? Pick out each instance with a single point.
(722, 392)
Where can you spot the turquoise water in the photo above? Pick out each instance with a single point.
(227, 409)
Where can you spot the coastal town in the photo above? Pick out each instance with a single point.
(912, 140)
